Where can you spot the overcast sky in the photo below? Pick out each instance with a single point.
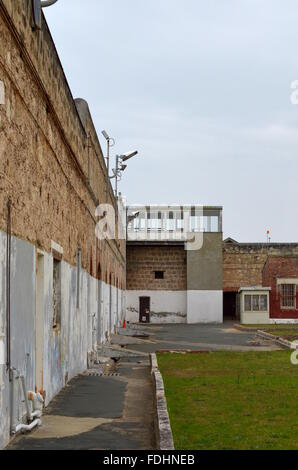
(202, 89)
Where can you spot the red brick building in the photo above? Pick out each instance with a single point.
(272, 265)
(281, 274)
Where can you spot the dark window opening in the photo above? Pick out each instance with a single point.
(159, 274)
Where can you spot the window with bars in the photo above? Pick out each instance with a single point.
(288, 296)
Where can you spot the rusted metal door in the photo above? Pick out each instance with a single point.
(144, 310)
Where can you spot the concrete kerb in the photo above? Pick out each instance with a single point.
(163, 431)
(244, 328)
(276, 339)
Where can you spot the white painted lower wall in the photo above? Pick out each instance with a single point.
(165, 306)
(254, 318)
(204, 306)
(64, 350)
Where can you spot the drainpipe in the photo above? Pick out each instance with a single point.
(27, 427)
(32, 418)
(8, 269)
(12, 400)
(28, 412)
(37, 402)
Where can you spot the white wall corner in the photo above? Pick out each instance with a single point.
(204, 306)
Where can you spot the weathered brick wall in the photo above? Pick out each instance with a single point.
(143, 261)
(51, 163)
(242, 267)
(243, 263)
(280, 267)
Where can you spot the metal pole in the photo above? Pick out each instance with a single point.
(108, 169)
(117, 169)
(8, 271)
(108, 156)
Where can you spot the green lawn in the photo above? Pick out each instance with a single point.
(230, 400)
(289, 332)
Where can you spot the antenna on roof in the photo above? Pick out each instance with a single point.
(268, 236)
(37, 6)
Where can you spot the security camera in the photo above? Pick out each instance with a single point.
(128, 155)
(133, 216)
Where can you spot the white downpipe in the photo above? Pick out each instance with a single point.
(12, 399)
(27, 427)
(37, 404)
(28, 412)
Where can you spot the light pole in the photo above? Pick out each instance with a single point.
(120, 159)
(110, 143)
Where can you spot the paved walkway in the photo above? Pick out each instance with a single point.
(93, 412)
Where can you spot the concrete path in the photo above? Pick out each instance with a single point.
(192, 337)
(93, 412)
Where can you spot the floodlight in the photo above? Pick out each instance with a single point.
(48, 3)
(128, 155)
(106, 135)
(133, 216)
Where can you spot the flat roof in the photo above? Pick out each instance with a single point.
(173, 206)
(254, 288)
(231, 242)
